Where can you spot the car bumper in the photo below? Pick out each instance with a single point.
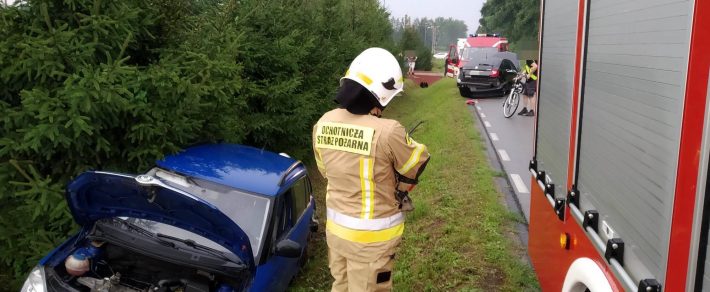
(480, 87)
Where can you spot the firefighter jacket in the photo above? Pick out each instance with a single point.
(363, 157)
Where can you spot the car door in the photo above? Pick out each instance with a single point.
(288, 222)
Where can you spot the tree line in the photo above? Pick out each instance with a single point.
(423, 34)
(115, 85)
(515, 19)
(448, 30)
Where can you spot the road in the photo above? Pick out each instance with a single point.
(512, 140)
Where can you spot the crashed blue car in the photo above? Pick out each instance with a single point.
(211, 218)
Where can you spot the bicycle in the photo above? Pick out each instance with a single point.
(510, 105)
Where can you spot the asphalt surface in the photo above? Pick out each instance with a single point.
(512, 141)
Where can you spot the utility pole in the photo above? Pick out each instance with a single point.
(433, 38)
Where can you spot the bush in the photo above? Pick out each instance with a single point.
(115, 85)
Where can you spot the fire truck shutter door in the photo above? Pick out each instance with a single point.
(633, 96)
(555, 102)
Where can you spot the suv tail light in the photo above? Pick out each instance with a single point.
(494, 73)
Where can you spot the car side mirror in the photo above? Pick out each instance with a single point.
(288, 248)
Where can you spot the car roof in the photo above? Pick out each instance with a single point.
(242, 167)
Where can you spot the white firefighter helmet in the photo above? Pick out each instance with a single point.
(377, 70)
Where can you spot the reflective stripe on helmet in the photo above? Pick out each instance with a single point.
(364, 236)
(364, 224)
(364, 78)
(413, 159)
(368, 187)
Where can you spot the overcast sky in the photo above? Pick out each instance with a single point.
(467, 10)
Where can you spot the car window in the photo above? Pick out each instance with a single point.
(287, 210)
(285, 217)
(299, 199)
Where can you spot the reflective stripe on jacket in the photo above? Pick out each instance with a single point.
(527, 69)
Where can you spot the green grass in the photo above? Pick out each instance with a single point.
(460, 237)
(437, 65)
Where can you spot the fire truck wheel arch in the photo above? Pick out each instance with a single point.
(584, 274)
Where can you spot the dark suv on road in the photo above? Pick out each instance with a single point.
(487, 72)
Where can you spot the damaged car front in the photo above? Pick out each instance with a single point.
(147, 233)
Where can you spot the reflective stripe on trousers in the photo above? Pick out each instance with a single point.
(364, 230)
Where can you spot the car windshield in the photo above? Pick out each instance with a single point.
(161, 228)
(249, 211)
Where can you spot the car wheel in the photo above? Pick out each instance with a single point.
(465, 92)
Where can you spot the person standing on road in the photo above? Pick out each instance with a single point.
(411, 62)
(530, 88)
(368, 162)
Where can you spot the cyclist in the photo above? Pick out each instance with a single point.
(530, 88)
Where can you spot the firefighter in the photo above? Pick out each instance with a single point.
(369, 162)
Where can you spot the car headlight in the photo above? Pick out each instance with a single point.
(35, 282)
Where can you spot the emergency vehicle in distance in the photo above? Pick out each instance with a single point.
(454, 60)
(619, 199)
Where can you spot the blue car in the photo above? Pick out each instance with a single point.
(211, 218)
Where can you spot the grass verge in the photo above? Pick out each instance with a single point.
(460, 237)
(438, 65)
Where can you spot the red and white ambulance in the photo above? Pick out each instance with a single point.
(620, 198)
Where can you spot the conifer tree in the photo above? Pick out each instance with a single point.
(115, 85)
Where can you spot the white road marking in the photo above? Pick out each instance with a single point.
(504, 155)
(494, 136)
(483, 115)
(488, 125)
(519, 184)
(479, 108)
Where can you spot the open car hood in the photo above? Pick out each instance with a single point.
(97, 195)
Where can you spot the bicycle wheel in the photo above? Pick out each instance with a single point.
(510, 105)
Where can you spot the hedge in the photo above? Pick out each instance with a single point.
(115, 85)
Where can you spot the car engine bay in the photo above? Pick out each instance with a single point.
(117, 269)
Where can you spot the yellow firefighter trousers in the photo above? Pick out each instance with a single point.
(353, 276)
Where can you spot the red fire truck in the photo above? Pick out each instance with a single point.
(620, 198)
(457, 52)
